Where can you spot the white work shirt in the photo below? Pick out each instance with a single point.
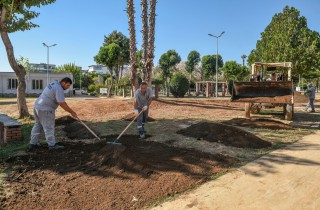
(50, 98)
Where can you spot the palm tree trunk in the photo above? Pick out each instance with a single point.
(18, 69)
(144, 16)
(152, 23)
(133, 48)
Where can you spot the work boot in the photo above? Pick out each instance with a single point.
(56, 146)
(141, 135)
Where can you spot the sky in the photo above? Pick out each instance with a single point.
(78, 28)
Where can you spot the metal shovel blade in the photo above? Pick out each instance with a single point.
(115, 142)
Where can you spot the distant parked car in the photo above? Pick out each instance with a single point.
(77, 91)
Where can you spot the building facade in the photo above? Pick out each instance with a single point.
(42, 67)
(98, 69)
(35, 83)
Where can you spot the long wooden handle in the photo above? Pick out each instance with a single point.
(91, 131)
(128, 125)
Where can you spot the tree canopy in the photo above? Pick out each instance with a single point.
(208, 65)
(288, 39)
(123, 42)
(72, 68)
(192, 60)
(168, 60)
(234, 71)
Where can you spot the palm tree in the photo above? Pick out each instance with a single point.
(133, 48)
(243, 57)
(152, 23)
(145, 26)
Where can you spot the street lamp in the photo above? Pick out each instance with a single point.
(48, 46)
(217, 61)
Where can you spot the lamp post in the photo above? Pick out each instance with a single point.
(217, 61)
(48, 46)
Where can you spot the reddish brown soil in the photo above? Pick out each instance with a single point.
(259, 123)
(129, 117)
(103, 176)
(224, 134)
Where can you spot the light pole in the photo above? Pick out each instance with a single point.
(48, 46)
(217, 61)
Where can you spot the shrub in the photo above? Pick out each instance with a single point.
(91, 88)
(179, 85)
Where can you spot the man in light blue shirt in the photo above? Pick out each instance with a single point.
(44, 112)
(142, 101)
(311, 93)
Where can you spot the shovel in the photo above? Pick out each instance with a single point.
(91, 131)
(116, 140)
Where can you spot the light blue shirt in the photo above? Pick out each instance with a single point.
(142, 100)
(50, 98)
(313, 93)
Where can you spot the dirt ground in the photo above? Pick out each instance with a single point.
(90, 174)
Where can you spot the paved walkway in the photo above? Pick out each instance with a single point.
(288, 179)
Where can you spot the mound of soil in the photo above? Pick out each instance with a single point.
(259, 123)
(65, 120)
(224, 134)
(300, 98)
(104, 176)
(129, 117)
(76, 130)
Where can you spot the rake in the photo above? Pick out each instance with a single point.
(91, 131)
(117, 139)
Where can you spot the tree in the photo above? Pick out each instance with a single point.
(166, 62)
(16, 16)
(148, 37)
(123, 42)
(243, 57)
(208, 65)
(110, 57)
(132, 45)
(234, 71)
(71, 68)
(26, 65)
(288, 38)
(192, 61)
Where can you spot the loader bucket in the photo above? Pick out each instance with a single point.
(263, 92)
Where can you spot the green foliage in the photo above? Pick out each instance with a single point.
(288, 38)
(109, 56)
(167, 61)
(124, 81)
(71, 68)
(91, 88)
(179, 85)
(25, 63)
(208, 64)
(19, 15)
(123, 42)
(233, 70)
(193, 60)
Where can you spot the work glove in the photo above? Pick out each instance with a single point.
(136, 113)
(145, 108)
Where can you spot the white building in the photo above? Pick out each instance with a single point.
(42, 67)
(35, 83)
(99, 69)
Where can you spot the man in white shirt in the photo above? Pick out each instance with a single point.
(44, 112)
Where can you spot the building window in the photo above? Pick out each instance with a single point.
(37, 84)
(12, 83)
